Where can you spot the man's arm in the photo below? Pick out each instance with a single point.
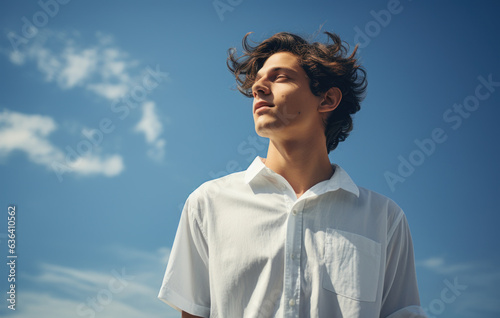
(186, 315)
(186, 283)
(401, 299)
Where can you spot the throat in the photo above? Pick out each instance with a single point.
(301, 170)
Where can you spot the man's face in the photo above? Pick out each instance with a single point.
(284, 107)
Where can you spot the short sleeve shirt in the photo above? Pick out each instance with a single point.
(246, 246)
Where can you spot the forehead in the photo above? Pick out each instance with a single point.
(281, 61)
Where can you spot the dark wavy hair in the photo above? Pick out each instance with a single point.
(326, 65)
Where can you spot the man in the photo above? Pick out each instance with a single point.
(293, 236)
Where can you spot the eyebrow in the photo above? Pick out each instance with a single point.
(275, 70)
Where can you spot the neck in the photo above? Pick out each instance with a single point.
(302, 163)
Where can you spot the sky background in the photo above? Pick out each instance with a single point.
(113, 112)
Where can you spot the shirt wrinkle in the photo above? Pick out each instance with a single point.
(195, 219)
(397, 221)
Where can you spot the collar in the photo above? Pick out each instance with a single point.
(339, 180)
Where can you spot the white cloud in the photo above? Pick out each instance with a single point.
(128, 291)
(100, 68)
(88, 165)
(47, 64)
(103, 70)
(114, 65)
(109, 91)
(29, 134)
(151, 127)
(439, 266)
(149, 124)
(16, 57)
(78, 66)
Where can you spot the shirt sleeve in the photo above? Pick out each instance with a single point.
(400, 298)
(185, 285)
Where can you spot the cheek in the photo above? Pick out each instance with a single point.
(292, 104)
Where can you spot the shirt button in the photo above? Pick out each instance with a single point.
(291, 302)
(292, 256)
(294, 212)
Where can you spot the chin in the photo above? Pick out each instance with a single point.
(267, 131)
(262, 130)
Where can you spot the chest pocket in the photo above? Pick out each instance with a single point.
(352, 265)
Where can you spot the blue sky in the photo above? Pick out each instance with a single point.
(112, 113)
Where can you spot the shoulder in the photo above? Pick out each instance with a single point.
(376, 198)
(215, 187)
(382, 204)
(212, 197)
(218, 188)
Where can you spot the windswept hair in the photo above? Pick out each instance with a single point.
(326, 65)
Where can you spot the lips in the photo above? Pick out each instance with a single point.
(261, 104)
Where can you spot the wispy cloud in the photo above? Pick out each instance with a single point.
(440, 266)
(29, 133)
(127, 292)
(478, 293)
(101, 67)
(151, 126)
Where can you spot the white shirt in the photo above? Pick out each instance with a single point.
(247, 247)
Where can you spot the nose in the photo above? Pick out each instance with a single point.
(259, 86)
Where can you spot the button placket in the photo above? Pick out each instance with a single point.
(292, 263)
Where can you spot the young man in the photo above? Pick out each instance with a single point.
(293, 236)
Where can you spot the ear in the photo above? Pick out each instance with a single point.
(330, 100)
